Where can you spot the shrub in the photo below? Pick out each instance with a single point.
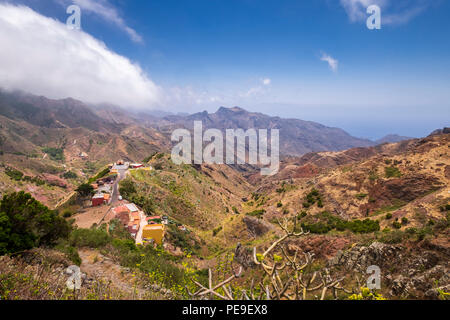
(312, 198)
(67, 213)
(279, 204)
(257, 213)
(361, 196)
(26, 223)
(85, 190)
(70, 175)
(318, 228)
(397, 225)
(217, 230)
(70, 252)
(56, 154)
(392, 172)
(393, 237)
(181, 239)
(93, 238)
(373, 176)
(388, 216)
(14, 174)
(99, 175)
(328, 222)
(158, 166)
(235, 210)
(302, 214)
(127, 188)
(405, 221)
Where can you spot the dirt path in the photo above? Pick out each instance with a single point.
(97, 266)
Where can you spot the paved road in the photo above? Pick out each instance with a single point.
(115, 194)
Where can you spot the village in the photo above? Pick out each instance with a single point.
(146, 230)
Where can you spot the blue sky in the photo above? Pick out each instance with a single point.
(270, 56)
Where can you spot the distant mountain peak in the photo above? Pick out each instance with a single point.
(228, 110)
(392, 138)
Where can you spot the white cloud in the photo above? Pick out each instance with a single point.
(107, 12)
(392, 12)
(42, 56)
(332, 63)
(266, 81)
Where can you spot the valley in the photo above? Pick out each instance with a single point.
(352, 202)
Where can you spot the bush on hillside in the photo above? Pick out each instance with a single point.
(26, 223)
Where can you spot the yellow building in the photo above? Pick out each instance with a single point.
(153, 231)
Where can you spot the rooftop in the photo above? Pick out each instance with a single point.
(132, 207)
(121, 209)
(154, 227)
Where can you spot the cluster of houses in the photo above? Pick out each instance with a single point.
(132, 218)
(103, 190)
(153, 228)
(103, 187)
(122, 165)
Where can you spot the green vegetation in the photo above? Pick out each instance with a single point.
(217, 230)
(182, 239)
(325, 222)
(85, 190)
(70, 175)
(128, 190)
(302, 215)
(56, 154)
(396, 225)
(257, 213)
(14, 174)
(361, 196)
(396, 204)
(235, 210)
(156, 264)
(392, 172)
(285, 187)
(150, 157)
(99, 175)
(26, 223)
(373, 176)
(92, 238)
(312, 198)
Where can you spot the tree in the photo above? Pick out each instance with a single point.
(85, 190)
(127, 188)
(284, 276)
(26, 223)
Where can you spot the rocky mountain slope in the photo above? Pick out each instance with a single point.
(297, 137)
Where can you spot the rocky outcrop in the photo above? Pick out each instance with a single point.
(256, 226)
(360, 258)
(406, 272)
(243, 256)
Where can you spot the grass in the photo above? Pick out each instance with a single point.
(392, 172)
(397, 204)
(326, 222)
(361, 196)
(257, 213)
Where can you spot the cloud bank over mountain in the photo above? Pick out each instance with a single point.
(42, 56)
